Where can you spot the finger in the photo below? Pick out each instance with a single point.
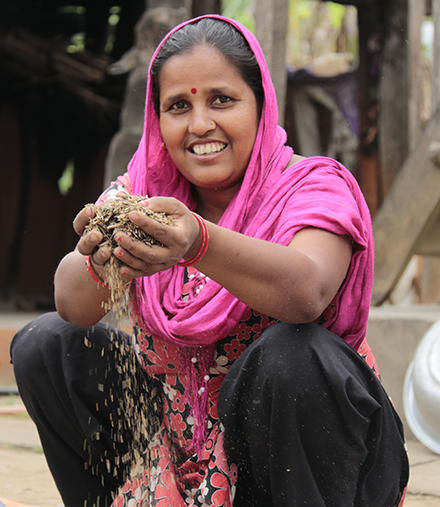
(137, 255)
(128, 272)
(168, 205)
(89, 245)
(101, 255)
(158, 230)
(82, 219)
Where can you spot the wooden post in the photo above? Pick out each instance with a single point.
(435, 83)
(370, 47)
(400, 92)
(271, 22)
(200, 7)
(394, 95)
(408, 213)
(416, 12)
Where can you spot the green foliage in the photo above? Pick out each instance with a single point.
(313, 29)
(336, 14)
(240, 10)
(78, 43)
(427, 38)
(66, 180)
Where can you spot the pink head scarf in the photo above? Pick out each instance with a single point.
(272, 204)
(268, 195)
(152, 172)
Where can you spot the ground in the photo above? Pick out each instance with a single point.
(25, 477)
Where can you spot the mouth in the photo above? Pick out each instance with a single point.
(208, 148)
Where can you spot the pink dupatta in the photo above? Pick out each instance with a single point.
(272, 204)
(265, 197)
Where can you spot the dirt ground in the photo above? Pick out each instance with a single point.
(25, 477)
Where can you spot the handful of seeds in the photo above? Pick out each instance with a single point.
(113, 217)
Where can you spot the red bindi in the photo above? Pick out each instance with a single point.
(193, 90)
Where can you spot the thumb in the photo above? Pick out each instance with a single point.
(168, 205)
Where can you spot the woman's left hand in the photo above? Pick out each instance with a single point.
(179, 241)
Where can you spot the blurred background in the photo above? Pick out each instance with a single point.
(356, 80)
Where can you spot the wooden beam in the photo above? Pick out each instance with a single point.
(435, 85)
(370, 37)
(394, 94)
(271, 22)
(429, 242)
(201, 7)
(409, 211)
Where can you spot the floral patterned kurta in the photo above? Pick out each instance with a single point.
(176, 476)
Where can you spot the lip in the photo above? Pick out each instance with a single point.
(190, 147)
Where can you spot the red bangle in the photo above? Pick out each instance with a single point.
(93, 274)
(203, 245)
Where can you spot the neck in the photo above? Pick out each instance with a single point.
(212, 203)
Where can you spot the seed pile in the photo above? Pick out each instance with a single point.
(113, 217)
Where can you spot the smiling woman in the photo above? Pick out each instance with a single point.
(255, 385)
(208, 135)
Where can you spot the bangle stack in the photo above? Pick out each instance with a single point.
(93, 274)
(203, 245)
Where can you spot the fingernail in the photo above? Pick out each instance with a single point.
(119, 239)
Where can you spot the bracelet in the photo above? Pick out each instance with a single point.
(203, 245)
(93, 274)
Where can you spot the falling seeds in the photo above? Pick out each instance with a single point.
(136, 416)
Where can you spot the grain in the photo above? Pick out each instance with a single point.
(113, 217)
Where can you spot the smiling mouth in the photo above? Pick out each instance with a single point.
(207, 149)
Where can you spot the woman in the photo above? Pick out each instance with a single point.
(251, 317)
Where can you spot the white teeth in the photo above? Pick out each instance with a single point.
(208, 149)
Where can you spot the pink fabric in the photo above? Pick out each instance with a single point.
(272, 204)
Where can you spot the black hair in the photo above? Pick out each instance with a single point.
(219, 35)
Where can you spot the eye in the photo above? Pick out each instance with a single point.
(221, 100)
(178, 106)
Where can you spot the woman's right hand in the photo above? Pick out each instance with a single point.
(78, 297)
(89, 243)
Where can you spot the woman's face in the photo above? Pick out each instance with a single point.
(208, 118)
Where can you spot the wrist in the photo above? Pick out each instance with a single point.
(93, 273)
(204, 243)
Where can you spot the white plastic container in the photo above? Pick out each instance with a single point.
(421, 393)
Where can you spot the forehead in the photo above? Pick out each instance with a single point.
(198, 66)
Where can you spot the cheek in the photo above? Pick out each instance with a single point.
(246, 130)
(169, 131)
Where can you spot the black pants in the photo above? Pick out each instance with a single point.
(305, 418)
(309, 424)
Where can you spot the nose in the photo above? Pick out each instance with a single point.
(200, 121)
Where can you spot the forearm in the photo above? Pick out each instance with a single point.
(78, 298)
(280, 281)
